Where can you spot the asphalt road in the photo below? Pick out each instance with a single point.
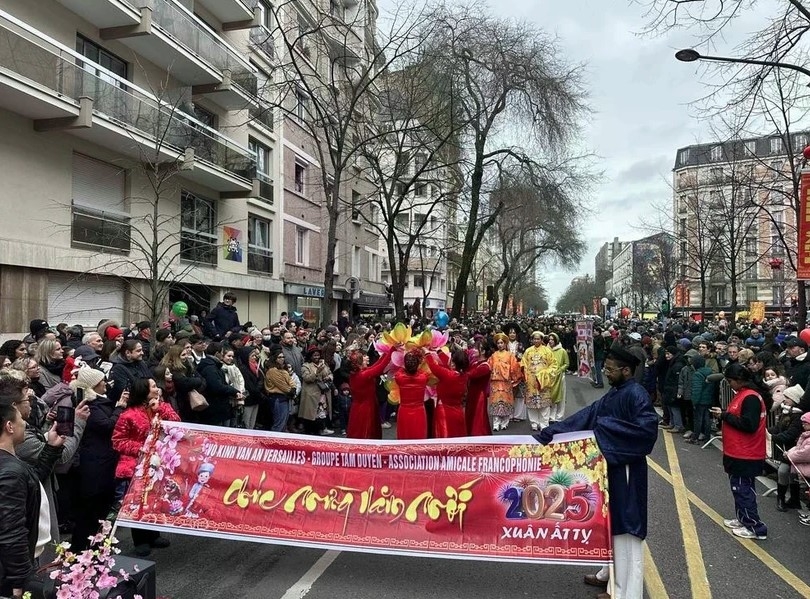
(693, 555)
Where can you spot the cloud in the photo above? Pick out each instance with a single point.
(650, 169)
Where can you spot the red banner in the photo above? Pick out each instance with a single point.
(504, 498)
(803, 261)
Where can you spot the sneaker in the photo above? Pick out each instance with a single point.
(327, 431)
(804, 522)
(343, 434)
(664, 426)
(732, 523)
(534, 427)
(687, 434)
(676, 430)
(745, 533)
(386, 425)
(701, 438)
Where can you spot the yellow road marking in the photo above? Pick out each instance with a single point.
(698, 580)
(652, 577)
(766, 558)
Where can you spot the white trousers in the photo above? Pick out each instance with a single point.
(558, 409)
(539, 417)
(628, 565)
(251, 412)
(520, 404)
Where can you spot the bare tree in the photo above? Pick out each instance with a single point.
(511, 83)
(537, 223)
(327, 81)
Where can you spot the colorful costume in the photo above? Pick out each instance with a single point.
(475, 410)
(558, 387)
(519, 413)
(411, 414)
(364, 417)
(540, 368)
(451, 391)
(505, 375)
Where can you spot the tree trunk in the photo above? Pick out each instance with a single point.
(801, 318)
(329, 267)
(703, 298)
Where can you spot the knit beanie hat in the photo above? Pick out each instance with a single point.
(87, 378)
(112, 332)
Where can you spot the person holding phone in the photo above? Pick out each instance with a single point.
(144, 406)
(13, 382)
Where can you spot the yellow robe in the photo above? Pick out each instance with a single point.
(540, 366)
(561, 361)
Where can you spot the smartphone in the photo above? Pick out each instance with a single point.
(79, 396)
(65, 416)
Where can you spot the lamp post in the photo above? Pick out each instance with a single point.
(604, 301)
(692, 55)
(776, 274)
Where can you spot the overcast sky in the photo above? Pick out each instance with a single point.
(640, 97)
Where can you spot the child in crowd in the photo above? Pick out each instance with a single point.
(344, 404)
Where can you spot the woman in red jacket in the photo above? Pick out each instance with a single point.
(411, 415)
(364, 415)
(144, 406)
(451, 392)
(475, 412)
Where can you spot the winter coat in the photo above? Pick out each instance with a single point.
(800, 455)
(702, 393)
(186, 381)
(777, 388)
(670, 387)
(98, 458)
(254, 383)
(130, 432)
(787, 430)
(798, 370)
(123, 374)
(311, 393)
(218, 392)
(222, 320)
(685, 378)
(51, 374)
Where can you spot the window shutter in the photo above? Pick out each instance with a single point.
(84, 299)
(98, 185)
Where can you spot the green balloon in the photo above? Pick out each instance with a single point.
(180, 309)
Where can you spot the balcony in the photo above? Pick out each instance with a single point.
(105, 13)
(58, 89)
(262, 115)
(229, 12)
(100, 230)
(260, 260)
(172, 37)
(265, 188)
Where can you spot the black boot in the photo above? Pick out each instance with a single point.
(781, 490)
(793, 503)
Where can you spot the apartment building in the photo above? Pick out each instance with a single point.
(139, 138)
(739, 194)
(603, 263)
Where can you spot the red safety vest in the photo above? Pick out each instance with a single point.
(739, 444)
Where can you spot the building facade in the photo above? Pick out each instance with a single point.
(139, 140)
(733, 202)
(603, 263)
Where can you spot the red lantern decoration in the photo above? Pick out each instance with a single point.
(805, 336)
(806, 153)
(625, 312)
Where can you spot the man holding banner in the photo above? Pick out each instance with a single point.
(625, 425)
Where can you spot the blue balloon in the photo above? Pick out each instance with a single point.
(441, 319)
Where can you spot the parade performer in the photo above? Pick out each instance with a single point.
(364, 417)
(505, 376)
(515, 347)
(539, 367)
(475, 410)
(411, 414)
(626, 427)
(451, 391)
(558, 387)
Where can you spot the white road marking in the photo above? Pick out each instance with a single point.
(304, 584)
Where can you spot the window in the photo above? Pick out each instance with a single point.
(262, 36)
(421, 190)
(778, 293)
(198, 237)
(716, 153)
(419, 162)
(260, 250)
(751, 147)
(303, 32)
(401, 223)
(373, 267)
(418, 281)
(776, 168)
(99, 55)
(682, 227)
(355, 205)
(775, 145)
(683, 157)
(751, 247)
(99, 219)
(265, 14)
(419, 221)
(799, 142)
(301, 246)
(719, 295)
(264, 158)
(299, 177)
(336, 9)
(356, 257)
(716, 175)
(301, 105)
(751, 294)
(372, 215)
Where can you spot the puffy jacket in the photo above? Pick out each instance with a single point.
(130, 433)
(702, 393)
(788, 429)
(800, 455)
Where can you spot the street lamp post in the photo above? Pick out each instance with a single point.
(692, 55)
(604, 301)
